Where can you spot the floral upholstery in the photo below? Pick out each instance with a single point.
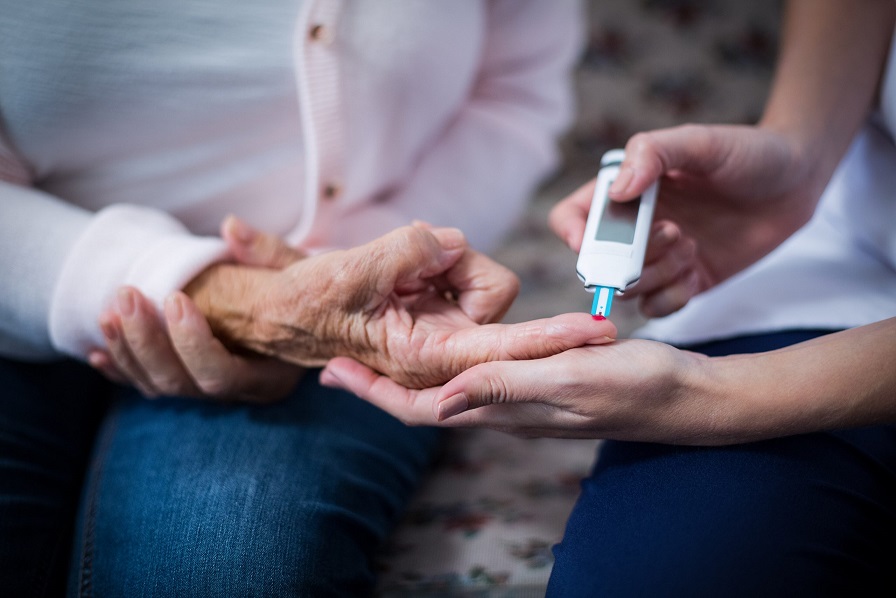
(485, 520)
(487, 517)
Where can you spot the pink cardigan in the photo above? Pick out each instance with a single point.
(130, 134)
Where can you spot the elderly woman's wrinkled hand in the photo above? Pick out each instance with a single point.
(175, 353)
(417, 305)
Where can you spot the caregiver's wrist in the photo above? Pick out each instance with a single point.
(808, 154)
(743, 398)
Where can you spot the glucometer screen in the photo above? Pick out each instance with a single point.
(618, 221)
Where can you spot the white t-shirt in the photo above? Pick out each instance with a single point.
(838, 271)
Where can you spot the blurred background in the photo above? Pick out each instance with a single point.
(648, 64)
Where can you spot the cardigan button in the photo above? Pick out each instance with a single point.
(331, 191)
(320, 33)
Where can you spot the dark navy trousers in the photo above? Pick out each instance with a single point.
(809, 515)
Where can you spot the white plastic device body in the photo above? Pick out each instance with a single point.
(615, 239)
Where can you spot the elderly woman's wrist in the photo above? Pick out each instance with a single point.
(225, 294)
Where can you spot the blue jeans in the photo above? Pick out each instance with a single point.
(808, 515)
(192, 498)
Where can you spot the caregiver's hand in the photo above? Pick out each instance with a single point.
(178, 355)
(408, 305)
(652, 392)
(629, 389)
(728, 196)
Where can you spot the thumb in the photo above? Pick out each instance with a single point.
(495, 383)
(252, 247)
(482, 352)
(650, 155)
(567, 219)
(406, 256)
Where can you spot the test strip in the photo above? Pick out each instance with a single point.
(603, 301)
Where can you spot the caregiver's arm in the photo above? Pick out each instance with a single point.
(650, 391)
(739, 191)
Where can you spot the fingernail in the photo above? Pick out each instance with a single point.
(452, 406)
(240, 230)
(622, 180)
(329, 379)
(126, 304)
(174, 309)
(95, 359)
(449, 238)
(109, 331)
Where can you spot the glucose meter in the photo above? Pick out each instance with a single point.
(615, 239)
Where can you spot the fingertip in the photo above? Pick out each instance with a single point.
(174, 307)
(664, 233)
(620, 187)
(453, 405)
(238, 230)
(109, 328)
(102, 362)
(449, 238)
(329, 379)
(97, 359)
(126, 301)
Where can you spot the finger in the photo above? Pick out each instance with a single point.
(501, 383)
(419, 408)
(255, 248)
(484, 288)
(102, 361)
(650, 155)
(412, 407)
(663, 235)
(401, 258)
(527, 340)
(150, 345)
(567, 219)
(118, 350)
(666, 269)
(214, 369)
(671, 297)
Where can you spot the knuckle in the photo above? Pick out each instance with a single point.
(639, 142)
(214, 386)
(494, 389)
(170, 385)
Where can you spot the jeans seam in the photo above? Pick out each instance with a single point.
(85, 568)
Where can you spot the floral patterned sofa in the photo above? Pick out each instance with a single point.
(485, 520)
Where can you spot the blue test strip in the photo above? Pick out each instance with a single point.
(603, 301)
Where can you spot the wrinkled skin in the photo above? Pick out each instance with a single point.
(417, 304)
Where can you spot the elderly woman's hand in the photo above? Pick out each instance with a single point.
(408, 305)
(177, 354)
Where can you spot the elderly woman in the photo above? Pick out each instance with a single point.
(130, 131)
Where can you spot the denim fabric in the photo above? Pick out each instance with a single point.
(192, 498)
(201, 499)
(49, 413)
(808, 515)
